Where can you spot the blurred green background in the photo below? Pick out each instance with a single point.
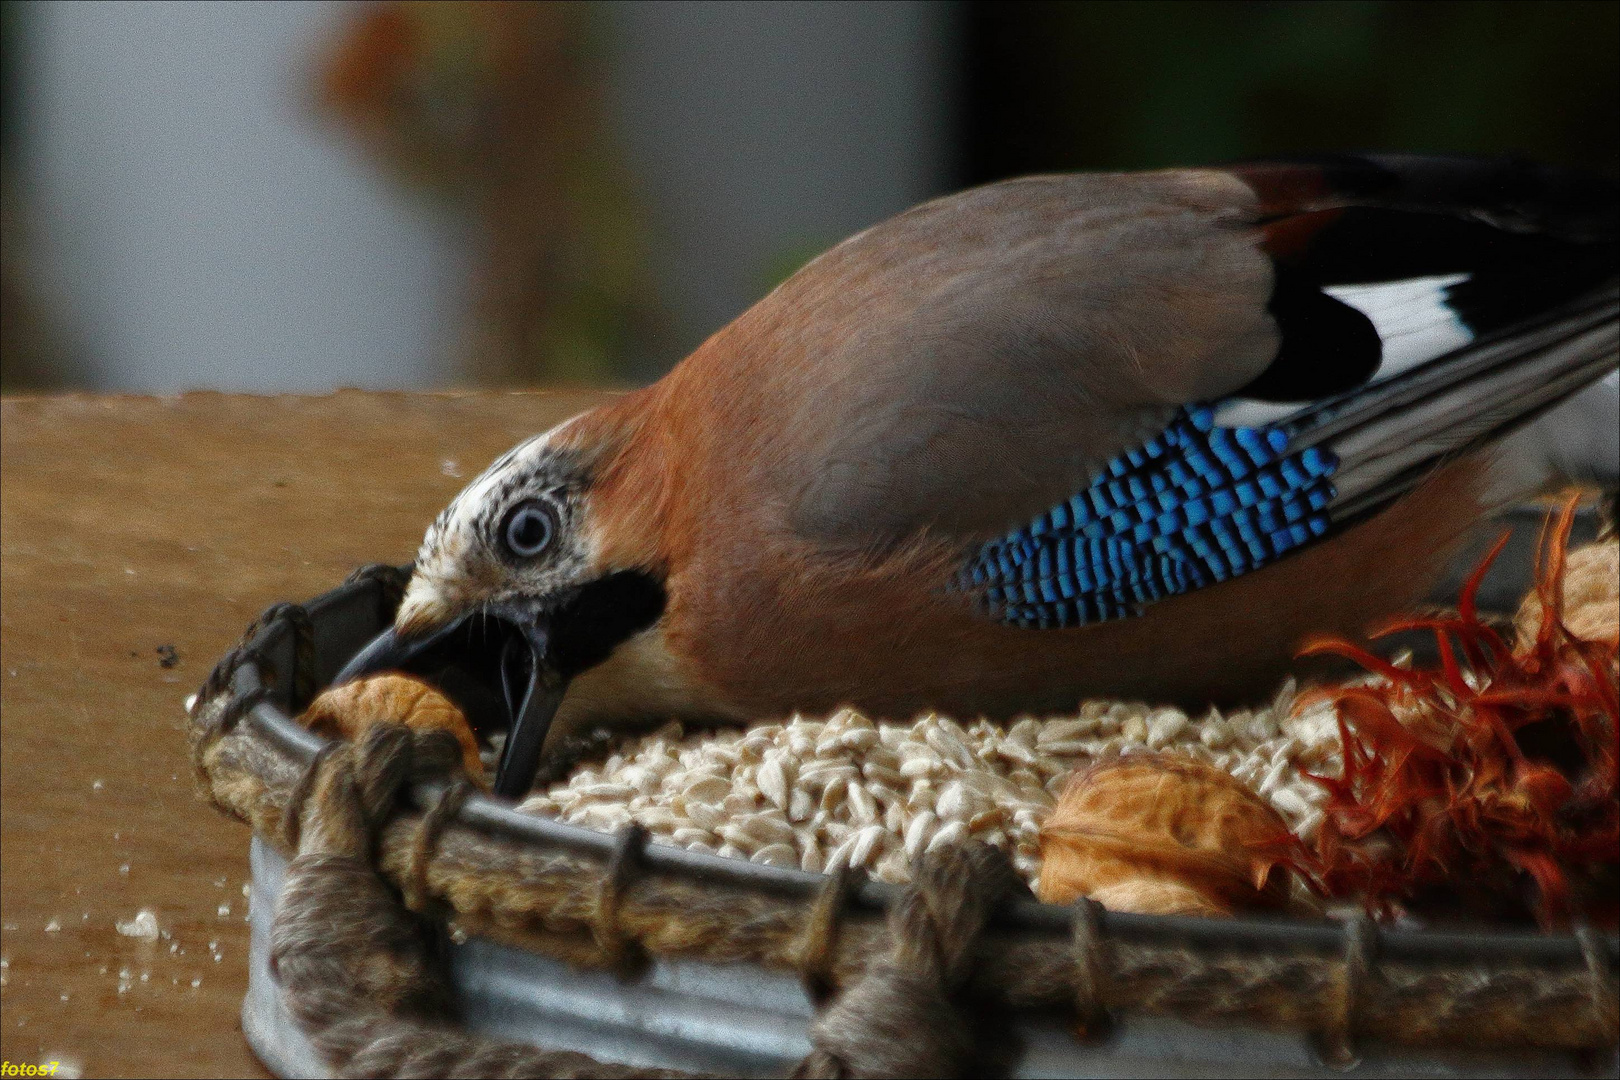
(296, 196)
(1134, 85)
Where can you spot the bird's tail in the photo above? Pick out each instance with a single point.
(1388, 435)
(1431, 303)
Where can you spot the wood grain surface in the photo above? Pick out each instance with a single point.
(129, 527)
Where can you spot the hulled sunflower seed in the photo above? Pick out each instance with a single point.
(815, 793)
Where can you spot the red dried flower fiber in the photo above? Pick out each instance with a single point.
(1493, 778)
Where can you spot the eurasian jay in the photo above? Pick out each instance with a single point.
(1129, 435)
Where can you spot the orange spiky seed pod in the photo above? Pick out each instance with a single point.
(1500, 769)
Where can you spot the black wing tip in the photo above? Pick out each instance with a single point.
(1509, 191)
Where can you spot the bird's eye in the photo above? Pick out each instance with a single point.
(529, 528)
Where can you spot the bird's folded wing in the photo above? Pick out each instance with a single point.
(968, 365)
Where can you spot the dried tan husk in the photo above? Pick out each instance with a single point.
(1162, 835)
(1591, 596)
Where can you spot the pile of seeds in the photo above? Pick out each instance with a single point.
(817, 793)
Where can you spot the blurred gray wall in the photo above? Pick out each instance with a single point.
(763, 133)
(192, 225)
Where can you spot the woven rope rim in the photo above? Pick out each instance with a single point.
(477, 859)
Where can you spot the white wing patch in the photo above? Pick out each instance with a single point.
(1413, 320)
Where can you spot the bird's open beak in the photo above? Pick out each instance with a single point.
(509, 665)
(533, 690)
(532, 684)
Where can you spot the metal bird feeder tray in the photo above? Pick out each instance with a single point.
(652, 957)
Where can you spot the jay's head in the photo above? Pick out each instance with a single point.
(516, 541)
(514, 585)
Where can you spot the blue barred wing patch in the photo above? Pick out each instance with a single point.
(1194, 505)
